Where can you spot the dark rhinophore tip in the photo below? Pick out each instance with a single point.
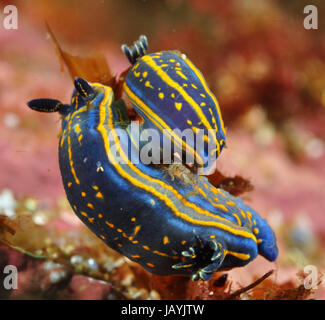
(139, 49)
(45, 105)
(84, 88)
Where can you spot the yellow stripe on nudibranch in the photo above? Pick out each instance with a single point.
(241, 256)
(83, 109)
(237, 218)
(150, 265)
(243, 213)
(181, 74)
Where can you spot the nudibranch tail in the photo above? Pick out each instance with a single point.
(266, 240)
(267, 246)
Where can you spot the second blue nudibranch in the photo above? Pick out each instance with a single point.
(172, 96)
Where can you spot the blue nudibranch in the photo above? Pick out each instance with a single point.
(170, 93)
(167, 219)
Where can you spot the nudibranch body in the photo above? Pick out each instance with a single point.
(171, 95)
(167, 219)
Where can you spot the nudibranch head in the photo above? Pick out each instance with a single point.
(85, 95)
